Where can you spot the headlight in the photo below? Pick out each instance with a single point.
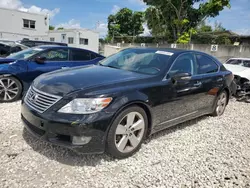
(85, 105)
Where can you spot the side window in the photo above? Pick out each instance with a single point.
(184, 64)
(4, 50)
(206, 65)
(93, 56)
(246, 63)
(80, 55)
(55, 55)
(234, 62)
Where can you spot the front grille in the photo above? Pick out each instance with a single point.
(39, 100)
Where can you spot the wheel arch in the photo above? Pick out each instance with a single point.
(8, 75)
(142, 105)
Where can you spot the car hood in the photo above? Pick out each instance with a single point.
(239, 70)
(6, 60)
(70, 80)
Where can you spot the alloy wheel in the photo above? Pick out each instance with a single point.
(8, 89)
(129, 132)
(221, 103)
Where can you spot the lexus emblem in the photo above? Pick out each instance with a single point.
(34, 97)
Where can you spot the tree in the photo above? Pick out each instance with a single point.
(51, 27)
(218, 27)
(125, 23)
(204, 28)
(179, 16)
(60, 28)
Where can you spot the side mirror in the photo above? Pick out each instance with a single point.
(40, 60)
(181, 77)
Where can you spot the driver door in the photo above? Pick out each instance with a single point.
(54, 59)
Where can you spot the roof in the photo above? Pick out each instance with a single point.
(31, 13)
(58, 46)
(173, 50)
(240, 58)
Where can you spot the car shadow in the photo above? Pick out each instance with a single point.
(69, 157)
(175, 128)
(61, 154)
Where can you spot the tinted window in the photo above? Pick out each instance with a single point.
(234, 62)
(184, 64)
(246, 63)
(206, 65)
(55, 55)
(29, 44)
(80, 55)
(4, 50)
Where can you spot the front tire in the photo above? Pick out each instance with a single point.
(127, 132)
(221, 103)
(10, 89)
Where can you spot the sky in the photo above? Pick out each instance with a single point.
(93, 14)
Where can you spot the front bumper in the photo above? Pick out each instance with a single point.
(59, 129)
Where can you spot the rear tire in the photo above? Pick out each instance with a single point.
(10, 89)
(127, 132)
(221, 103)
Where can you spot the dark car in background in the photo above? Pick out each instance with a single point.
(114, 105)
(33, 43)
(6, 48)
(17, 71)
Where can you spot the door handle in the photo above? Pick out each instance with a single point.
(65, 67)
(197, 84)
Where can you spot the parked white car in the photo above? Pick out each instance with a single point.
(240, 67)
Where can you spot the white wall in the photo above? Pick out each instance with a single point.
(11, 24)
(92, 36)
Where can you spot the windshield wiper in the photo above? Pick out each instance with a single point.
(110, 66)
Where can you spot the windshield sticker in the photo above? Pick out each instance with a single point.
(165, 53)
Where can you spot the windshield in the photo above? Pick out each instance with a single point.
(25, 53)
(145, 61)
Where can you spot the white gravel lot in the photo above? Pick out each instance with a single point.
(206, 152)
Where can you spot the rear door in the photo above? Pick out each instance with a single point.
(81, 57)
(212, 80)
(56, 58)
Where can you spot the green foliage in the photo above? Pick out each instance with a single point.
(212, 38)
(60, 28)
(186, 36)
(218, 27)
(125, 23)
(204, 28)
(51, 27)
(174, 18)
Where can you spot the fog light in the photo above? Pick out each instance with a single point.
(80, 140)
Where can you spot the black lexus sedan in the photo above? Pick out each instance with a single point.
(115, 105)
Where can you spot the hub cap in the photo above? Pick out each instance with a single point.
(129, 132)
(221, 104)
(8, 89)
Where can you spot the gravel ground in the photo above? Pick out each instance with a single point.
(206, 152)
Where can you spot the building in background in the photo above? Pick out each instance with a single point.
(80, 38)
(16, 25)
